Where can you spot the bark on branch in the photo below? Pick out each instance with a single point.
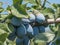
(49, 21)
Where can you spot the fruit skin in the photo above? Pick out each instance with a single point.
(19, 41)
(25, 20)
(28, 20)
(23, 41)
(26, 40)
(32, 17)
(36, 30)
(29, 30)
(15, 21)
(21, 31)
(40, 18)
(41, 29)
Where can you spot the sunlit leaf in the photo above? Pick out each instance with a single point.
(17, 2)
(57, 12)
(38, 2)
(3, 37)
(31, 1)
(56, 5)
(10, 27)
(3, 16)
(17, 14)
(48, 10)
(21, 8)
(1, 4)
(2, 31)
(1, 9)
(3, 26)
(45, 37)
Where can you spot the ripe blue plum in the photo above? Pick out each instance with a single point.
(21, 31)
(15, 21)
(26, 41)
(29, 30)
(25, 20)
(40, 18)
(19, 41)
(36, 30)
(32, 17)
(23, 41)
(41, 29)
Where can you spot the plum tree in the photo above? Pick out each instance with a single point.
(25, 22)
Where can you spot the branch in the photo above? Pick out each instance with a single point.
(44, 3)
(49, 21)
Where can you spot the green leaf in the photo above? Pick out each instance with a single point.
(10, 27)
(48, 10)
(58, 34)
(53, 27)
(3, 26)
(56, 5)
(6, 27)
(57, 41)
(10, 16)
(21, 8)
(17, 14)
(38, 2)
(2, 31)
(17, 2)
(3, 37)
(36, 7)
(1, 9)
(40, 42)
(47, 37)
(40, 36)
(3, 15)
(1, 4)
(6, 18)
(31, 1)
(58, 12)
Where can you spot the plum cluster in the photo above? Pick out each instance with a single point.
(23, 29)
